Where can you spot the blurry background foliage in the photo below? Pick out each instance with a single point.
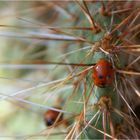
(21, 20)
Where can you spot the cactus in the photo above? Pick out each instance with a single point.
(55, 50)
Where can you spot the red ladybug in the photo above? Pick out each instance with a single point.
(51, 116)
(103, 73)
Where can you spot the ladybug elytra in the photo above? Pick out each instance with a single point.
(103, 73)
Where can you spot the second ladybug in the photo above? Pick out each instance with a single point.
(103, 73)
(52, 116)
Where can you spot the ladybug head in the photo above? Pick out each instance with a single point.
(49, 121)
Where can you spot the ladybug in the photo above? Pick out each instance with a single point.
(51, 116)
(103, 73)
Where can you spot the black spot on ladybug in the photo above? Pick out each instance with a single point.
(108, 77)
(100, 77)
